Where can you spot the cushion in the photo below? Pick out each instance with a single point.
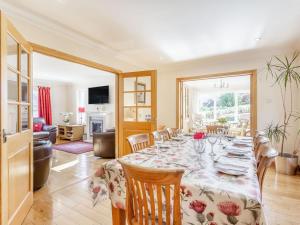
(37, 127)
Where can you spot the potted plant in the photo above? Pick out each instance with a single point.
(222, 120)
(286, 76)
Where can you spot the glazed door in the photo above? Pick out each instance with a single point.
(16, 127)
(137, 106)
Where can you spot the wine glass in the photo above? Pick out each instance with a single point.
(199, 147)
(212, 139)
(158, 141)
(221, 133)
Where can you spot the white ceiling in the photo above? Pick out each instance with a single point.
(160, 32)
(50, 68)
(235, 83)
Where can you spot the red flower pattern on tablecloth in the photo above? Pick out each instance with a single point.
(202, 201)
(185, 192)
(198, 206)
(213, 223)
(96, 189)
(100, 172)
(229, 208)
(111, 187)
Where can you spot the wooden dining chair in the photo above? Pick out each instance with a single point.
(165, 134)
(261, 148)
(259, 141)
(258, 134)
(267, 157)
(152, 195)
(172, 132)
(212, 129)
(138, 141)
(156, 135)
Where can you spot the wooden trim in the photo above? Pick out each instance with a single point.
(71, 58)
(253, 102)
(75, 59)
(117, 116)
(253, 93)
(217, 75)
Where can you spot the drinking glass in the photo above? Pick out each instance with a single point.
(221, 133)
(158, 141)
(212, 139)
(199, 147)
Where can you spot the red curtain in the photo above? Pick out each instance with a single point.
(45, 104)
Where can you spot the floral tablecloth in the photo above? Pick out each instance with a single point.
(208, 197)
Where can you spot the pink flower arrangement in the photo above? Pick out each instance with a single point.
(198, 206)
(199, 135)
(229, 208)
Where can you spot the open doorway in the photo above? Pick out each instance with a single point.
(80, 111)
(227, 100)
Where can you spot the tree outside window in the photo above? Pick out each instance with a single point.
(231, 105)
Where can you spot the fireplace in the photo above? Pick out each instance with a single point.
(95, 124)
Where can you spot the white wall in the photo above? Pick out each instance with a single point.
(64, 98)
(109, 108)
(59, 97)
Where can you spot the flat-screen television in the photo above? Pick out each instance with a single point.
(99, 95)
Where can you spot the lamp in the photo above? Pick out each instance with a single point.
(81, 110)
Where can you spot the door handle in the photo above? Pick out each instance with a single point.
(4, 135)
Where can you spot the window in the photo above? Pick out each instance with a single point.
(233, 106)
(35, 99)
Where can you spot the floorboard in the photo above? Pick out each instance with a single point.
(64, 200)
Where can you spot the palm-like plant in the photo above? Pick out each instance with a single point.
(286, 75)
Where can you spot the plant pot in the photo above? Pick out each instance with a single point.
(286, 164)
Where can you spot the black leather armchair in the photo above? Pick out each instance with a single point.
(42, 159)
(48, 131)
(104, 144)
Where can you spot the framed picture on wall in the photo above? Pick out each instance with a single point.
(141, 96)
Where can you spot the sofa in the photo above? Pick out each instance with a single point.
(42, 160)
(104, 144)
(42, 131)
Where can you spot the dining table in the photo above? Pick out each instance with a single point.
(209, 195)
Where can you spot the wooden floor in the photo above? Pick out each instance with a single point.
(65, 199)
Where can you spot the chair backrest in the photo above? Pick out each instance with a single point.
(259, 141)
(138, 141)
(212, 129)
(165, 134)
(261, 148)
(172, 132)
(39, 120)
(161, 127)
(156, 135)
(152, 195)
(258, 133)
(267, 157)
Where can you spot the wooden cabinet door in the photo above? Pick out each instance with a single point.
(137, 106)
(16, 125)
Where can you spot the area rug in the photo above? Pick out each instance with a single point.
(76, 147)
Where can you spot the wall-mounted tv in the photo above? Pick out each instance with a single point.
(99, 95)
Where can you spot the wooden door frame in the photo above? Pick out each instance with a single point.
(253, 93)
(121, 101)
(75, 59)
(7, 27)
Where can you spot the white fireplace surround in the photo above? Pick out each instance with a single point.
(103, 119)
